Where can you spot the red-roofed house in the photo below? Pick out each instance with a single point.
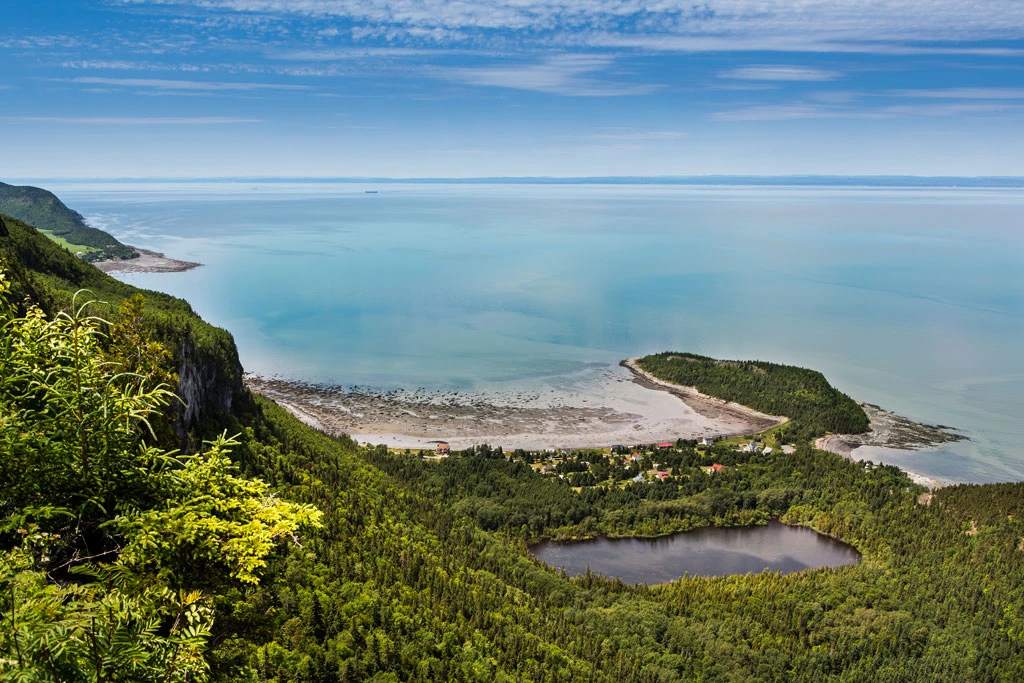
(663, 475)
(665, 444)
(717, 468)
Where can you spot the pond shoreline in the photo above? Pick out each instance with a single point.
(704, 551)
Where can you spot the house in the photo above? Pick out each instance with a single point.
(769, 451)
(708, 441)
(663, 475)
(665, 444)
(751, 447)
(717, 468)
(639, 478)
(636, 457)
(443, 448)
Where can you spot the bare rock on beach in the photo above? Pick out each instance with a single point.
(147, 262)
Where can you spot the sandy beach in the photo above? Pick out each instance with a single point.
(623, 406)
(147, 262)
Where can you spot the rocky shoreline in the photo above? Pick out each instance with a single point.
(147, 262)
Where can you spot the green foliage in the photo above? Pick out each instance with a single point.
(43, 272)
(108, 543)
(802, 395)
(110, 627)
(46, 212)
(72, 427)
(210, 519)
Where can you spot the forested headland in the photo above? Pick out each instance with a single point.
(43, 210)
(140, 541)
(813, 405)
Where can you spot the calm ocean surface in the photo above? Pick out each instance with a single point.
(909, 298)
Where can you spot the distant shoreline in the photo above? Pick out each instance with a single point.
(881, 181)
(147, 262)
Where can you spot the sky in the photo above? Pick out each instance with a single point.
(428, 88)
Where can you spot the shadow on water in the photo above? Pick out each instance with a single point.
(711, 551)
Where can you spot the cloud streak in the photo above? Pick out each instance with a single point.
(135, 120)
(569, 75)
(781, 73)
(788, 24)
(171, 85)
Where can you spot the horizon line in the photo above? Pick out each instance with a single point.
(708, 179)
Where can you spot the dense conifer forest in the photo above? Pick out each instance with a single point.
(141, 540)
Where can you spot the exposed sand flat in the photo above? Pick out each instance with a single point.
(703, 404)
(147, 262)
(619, 407)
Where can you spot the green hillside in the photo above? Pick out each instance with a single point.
(290, 555)
(43, 210)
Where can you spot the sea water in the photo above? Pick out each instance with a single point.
(909, 298)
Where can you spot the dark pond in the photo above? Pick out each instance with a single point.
(704, 552)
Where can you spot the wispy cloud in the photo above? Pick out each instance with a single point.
(780, 73)
(814, 24)
(569, 75)
(796, 111)
(165, 84)
(965, 93)
(636, 135)
(778, 112)
(136, 120)
(791, 41)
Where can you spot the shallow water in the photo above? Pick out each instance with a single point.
(702, 552)
(909, 298)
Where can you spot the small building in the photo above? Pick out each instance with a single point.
(665, 444)
(768, 451)
(717, 468)
(664, 475)
(638, 479)
(751, 447)
(443, 448)
(636, 457)
(708, 441)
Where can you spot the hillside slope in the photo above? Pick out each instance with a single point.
(43, 210)
(209, 372)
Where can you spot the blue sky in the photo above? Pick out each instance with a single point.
(198, 88)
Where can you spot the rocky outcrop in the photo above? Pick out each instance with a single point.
(210, 386)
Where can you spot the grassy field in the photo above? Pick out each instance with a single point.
(73, 248)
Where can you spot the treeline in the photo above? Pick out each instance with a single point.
(802, 395)
(42, 209)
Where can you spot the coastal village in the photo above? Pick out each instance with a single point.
(619, 465)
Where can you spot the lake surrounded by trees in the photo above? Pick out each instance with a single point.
(712, 551)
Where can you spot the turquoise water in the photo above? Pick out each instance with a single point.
(912, 299)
